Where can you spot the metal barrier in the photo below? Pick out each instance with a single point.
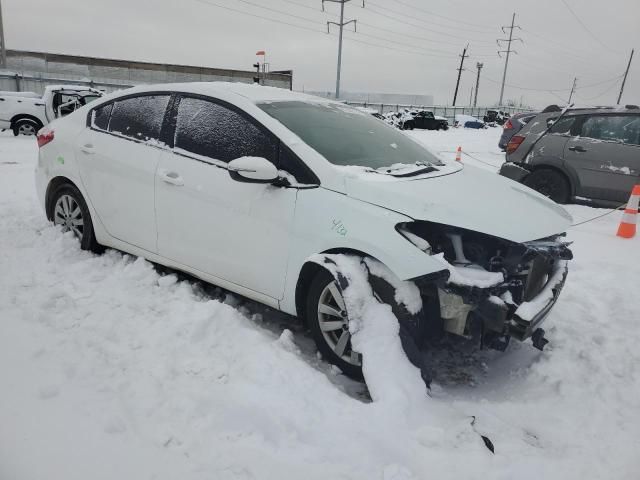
(447, 112)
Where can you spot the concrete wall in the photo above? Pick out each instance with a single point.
(32, 71)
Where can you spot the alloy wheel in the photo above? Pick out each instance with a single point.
(334, 324)
(68, 215)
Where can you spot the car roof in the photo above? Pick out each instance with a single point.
(590, 110)
(252, 92)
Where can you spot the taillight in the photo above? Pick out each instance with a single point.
(508, 125)
(514, 143)
(44, 136)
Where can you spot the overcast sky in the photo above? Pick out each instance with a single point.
(402, 46)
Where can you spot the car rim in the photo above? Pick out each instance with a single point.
(68, 215)
(334, 324)
(27, 129)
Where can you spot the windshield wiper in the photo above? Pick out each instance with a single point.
(408, 170)
(413, 173)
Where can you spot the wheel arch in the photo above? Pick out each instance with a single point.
(309, 270)
(26, 116)
(568, 177)
(53, 185)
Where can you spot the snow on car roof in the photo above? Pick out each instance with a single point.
(252, 92)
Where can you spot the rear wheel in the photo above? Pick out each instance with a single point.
(550, 183)
(327, 318)
(70, 212)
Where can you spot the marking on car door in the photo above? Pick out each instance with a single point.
(339, 227)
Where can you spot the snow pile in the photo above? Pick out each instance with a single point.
(109, 370)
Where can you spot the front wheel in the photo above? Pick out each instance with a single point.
(328, 321)
(550, 183)
(70, 211)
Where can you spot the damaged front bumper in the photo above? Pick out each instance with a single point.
(513, 307)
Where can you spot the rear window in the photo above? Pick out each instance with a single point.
(139, 117)
(346, 136)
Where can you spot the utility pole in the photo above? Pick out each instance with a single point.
(624, 80)
(508, 51)
(462, 57)
(340, 25)
(3, 47)
(573, 89)
(479, 66)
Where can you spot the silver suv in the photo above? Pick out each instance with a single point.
(586, 155)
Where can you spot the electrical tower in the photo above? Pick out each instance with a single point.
(508, 51)
(460, 69)
(479, 67)
(340, 25)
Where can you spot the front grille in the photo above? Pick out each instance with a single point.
(539, 270)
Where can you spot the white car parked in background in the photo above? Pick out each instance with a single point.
(255, 188)
(26, 112)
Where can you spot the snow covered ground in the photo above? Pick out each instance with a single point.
(110, 369)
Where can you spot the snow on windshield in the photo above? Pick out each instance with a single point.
(346, 136)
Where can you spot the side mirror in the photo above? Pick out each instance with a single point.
(252, 170)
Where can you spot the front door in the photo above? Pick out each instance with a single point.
(235, 231)
(606, 156)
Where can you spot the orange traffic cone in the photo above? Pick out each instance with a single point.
(627, 228)
(459, 154)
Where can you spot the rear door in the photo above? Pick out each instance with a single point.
(232, 230)
(118, 156)
(605, 155)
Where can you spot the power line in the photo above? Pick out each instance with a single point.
(454, 20)
(389, 15)
(585, 27)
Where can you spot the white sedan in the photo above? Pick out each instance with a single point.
(257, 189)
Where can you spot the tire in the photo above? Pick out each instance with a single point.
(323, 290)
(68, 209)
(26, 127)
(549, 183)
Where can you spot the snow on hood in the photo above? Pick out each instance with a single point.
(469, 198)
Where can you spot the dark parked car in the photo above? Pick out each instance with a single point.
(428, 121)
(495, 116)
(513, 125)
(587, 155)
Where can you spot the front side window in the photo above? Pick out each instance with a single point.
(346, 136)
(139, 117)
(613, 128)
(212, 130)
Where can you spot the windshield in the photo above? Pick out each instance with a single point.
(346, 136)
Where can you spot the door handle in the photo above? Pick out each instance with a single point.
(173, 178)
(578, 148)
(88, 149)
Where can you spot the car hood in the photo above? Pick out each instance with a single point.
(468, 198)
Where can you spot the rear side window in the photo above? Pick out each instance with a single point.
(100, 117)
(613, 128)
(563, 125)
(139, 117)
(215, 131)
